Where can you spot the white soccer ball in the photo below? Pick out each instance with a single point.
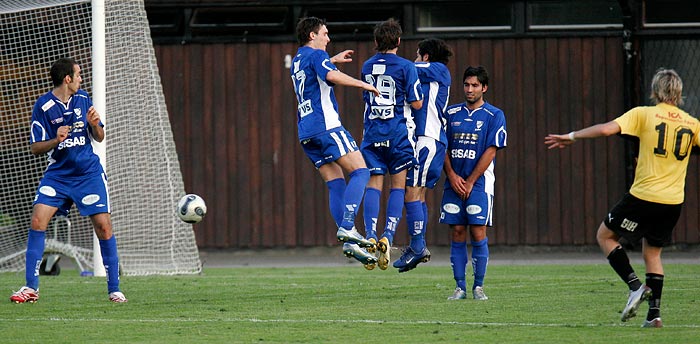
(191, 208)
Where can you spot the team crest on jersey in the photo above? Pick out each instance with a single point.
(78, 113)
(479, 124)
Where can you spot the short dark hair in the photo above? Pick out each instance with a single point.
(437, 50)
(479, 72)
(62, 67)
(387, 34)
(306, 26)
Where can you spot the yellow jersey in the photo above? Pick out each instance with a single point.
(666, 136)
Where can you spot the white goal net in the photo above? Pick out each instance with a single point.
(142, 165)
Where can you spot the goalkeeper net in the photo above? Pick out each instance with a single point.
(141, 162)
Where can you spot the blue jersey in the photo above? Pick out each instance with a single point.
(317, 111)
(430, 119)
(469, 134)
(74, 157)
(389, 114)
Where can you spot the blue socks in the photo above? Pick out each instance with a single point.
(35, 253)
(480, 259)
(394, 210)
(110, 259)
(416, 225)
(336, 198)
(458, 258)
(354, 192)
(371, 212)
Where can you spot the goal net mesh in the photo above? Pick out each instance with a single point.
(141, 162)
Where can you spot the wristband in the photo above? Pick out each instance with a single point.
(571, 136)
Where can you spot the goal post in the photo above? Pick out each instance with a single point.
(139, 151)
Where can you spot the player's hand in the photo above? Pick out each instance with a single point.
(342, 57)
(557, 141)
(62, 133)
(458, 185)
(93, 117)
(369, 87)
(467, 190)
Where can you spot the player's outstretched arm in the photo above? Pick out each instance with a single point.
(598, 130)
(339, 78)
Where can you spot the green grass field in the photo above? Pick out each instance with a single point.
(528, 304)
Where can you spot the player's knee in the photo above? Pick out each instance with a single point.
(459, 234)
(103, 232)
(38, 224)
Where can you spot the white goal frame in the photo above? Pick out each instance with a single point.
(145, 179)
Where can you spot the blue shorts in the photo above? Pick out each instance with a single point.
(391, 156)
(431, 157)
(329, 146)
(90, 194)
(476, 210)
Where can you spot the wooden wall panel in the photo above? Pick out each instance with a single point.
(233, 114)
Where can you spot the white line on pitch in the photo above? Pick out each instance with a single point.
(331, 321)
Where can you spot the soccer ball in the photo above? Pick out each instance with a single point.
(191, 208)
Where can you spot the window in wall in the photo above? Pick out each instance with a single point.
(460, 17)
(671, 13)
(356, 19)
(573, 15)
(165, 21)
(240, 20)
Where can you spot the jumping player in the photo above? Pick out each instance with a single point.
(432, 57)
(388, 145)
(325, 141)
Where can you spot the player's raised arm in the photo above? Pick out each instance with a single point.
(339, 78)
(98, 133)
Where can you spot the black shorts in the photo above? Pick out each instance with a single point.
(634, 219)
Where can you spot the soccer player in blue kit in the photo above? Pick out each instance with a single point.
(328, 145)
(64, 123)
(431, 141)
(389, 138)
(475, 131)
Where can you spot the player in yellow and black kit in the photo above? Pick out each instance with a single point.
(651, 208)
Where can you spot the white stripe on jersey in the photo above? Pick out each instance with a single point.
(416, 90)
(330, 116)
(339, 143)
(43, 132)
(501, 132)
(489, 179)
(433, 124)
(410, 125)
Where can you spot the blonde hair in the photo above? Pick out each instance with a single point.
(667, 87)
